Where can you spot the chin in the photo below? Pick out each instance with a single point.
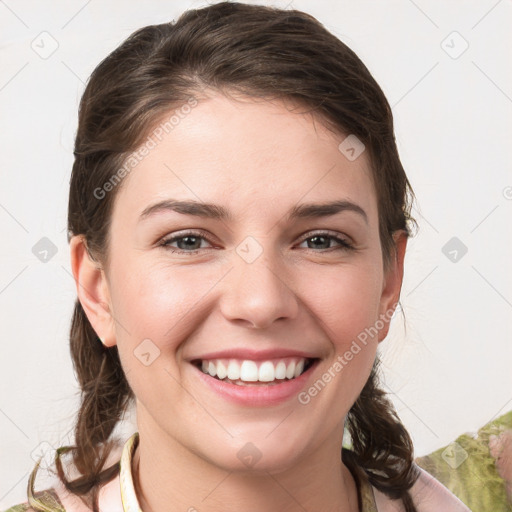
(261, 455)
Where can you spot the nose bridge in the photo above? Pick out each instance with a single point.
(257, 290)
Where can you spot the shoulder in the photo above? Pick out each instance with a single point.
(471, 470)
(47, 499)
(22, 507)
(59, 499)
(428, 495)
(56, 498)
(109, 498)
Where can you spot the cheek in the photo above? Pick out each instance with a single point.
(156, 308)
(346, 300)
(158, 301)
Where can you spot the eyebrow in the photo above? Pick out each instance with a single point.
(217, 212)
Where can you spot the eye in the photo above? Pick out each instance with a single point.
(323, 241)
(189, 242)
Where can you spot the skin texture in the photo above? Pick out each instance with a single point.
(258, 159)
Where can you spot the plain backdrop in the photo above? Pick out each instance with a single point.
(445, 68)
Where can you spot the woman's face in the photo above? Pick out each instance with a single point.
(257, 279)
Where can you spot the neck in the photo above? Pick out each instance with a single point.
(169, 477)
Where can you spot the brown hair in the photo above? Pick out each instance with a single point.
(257, 51)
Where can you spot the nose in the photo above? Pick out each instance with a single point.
(258, 293)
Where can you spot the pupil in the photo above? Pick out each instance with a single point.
(326, 241)
(189, 245)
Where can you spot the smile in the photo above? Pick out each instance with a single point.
(244, 372)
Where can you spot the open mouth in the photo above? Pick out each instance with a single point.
(255, 373)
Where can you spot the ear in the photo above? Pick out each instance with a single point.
(392, 283)
(92, 290)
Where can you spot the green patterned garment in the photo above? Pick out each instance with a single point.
(46, 501)
(467, 468)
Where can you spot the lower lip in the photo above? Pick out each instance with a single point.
(261, 394)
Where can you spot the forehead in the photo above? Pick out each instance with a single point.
(254, 156)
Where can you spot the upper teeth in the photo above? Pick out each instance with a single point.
(253, 371)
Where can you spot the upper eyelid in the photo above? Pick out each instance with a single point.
(178, 235)
(334, 234)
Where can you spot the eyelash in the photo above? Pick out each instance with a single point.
(344, 245)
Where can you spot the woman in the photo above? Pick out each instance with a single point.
(238, 219)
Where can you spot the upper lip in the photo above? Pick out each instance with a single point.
(254, 355)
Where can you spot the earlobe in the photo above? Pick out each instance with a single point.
(92, 290)
(392, 284)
